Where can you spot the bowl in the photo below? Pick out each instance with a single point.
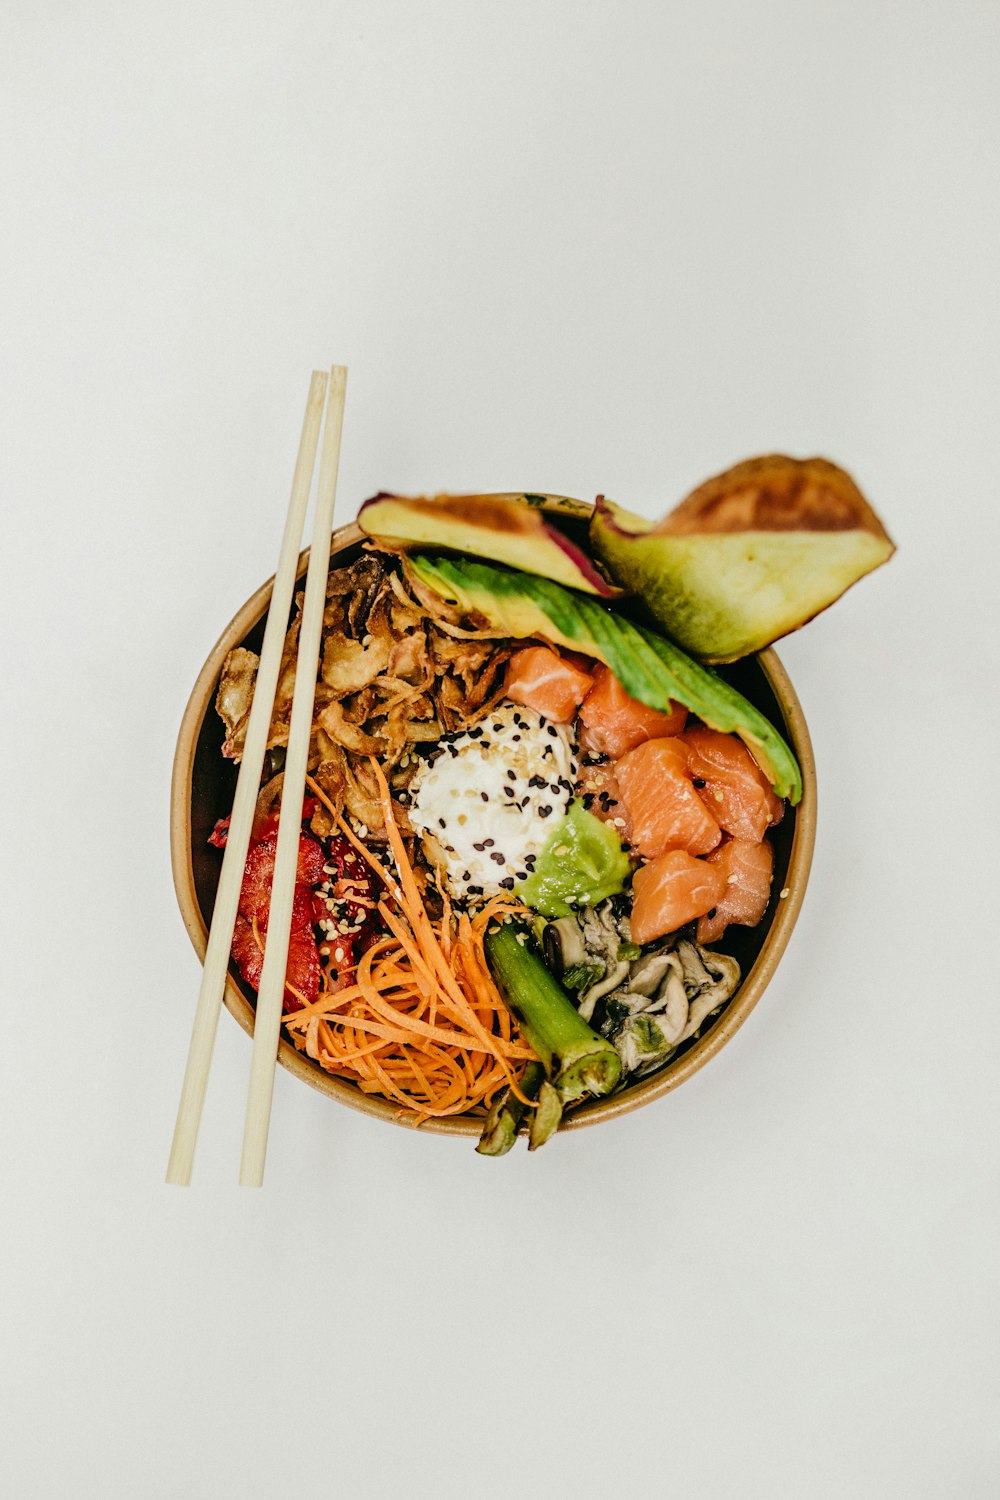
(202, 790)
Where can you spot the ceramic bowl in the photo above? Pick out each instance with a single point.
(202, 791)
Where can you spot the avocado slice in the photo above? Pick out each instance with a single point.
(648, 666)
(512, 529)
(749, 556)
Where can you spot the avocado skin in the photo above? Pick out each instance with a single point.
(749, 556)
(649, 667)
(508, 528)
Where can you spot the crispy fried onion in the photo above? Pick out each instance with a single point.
(396, 672)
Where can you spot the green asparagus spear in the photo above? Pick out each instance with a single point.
(576, 1060)
(506, 1113)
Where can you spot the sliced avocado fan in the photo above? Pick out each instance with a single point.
(648, 666)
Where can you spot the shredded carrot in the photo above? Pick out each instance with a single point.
(422, 1023)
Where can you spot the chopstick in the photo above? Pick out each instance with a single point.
(270, 995)
(216, 966)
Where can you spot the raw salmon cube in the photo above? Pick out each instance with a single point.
(543, 680)
(672, 890)
(665, 810)
(734, 788)
(748, 869)
(612, 723)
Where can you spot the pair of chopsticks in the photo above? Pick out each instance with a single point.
(324, 408)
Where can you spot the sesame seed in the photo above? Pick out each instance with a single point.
(543, 812)
(485, 796)
(784, 893)
(699, 782)
(508, 882)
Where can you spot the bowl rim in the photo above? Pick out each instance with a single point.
(666, 1079)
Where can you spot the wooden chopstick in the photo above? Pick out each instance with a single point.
(220, 938)
(270, 995)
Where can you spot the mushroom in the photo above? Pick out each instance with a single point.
(723, 975)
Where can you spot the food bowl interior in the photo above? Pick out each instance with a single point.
(212, 787)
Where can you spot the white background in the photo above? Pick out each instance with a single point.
(576, 247)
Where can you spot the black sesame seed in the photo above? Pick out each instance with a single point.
(711, 914)
(466, 874)
(488, 843)
(441, 823)
(508, 882)
(515, 737)
(508, 791)
(699, 783)
(485, 796)
(479, 848)
(551, 729)
(543, 812)
(511, 775)
(588, 801)
(498, 858)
